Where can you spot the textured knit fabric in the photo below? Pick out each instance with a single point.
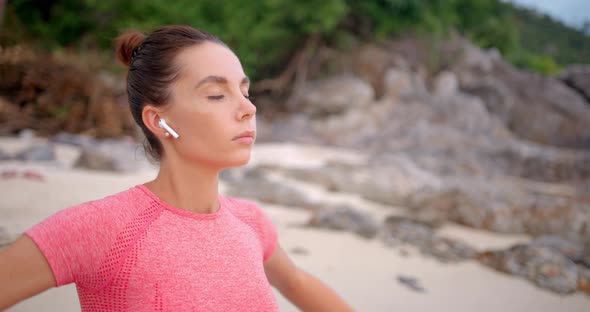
(133, 252)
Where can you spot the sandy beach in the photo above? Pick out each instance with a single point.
(363, 271)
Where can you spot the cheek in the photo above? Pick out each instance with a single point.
(205, 130)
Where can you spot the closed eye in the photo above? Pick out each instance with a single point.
(249, 97)
(215, 97)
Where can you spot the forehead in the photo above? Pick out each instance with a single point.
(209, 59)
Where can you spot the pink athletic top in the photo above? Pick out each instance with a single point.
(133, 252)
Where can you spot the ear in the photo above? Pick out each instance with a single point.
(151, 116)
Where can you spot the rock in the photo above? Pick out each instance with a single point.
(94, 159)
(584, 279)
(37, 152)
(569, 248)
(5, 238)
(410, 282)
(390, 183)
(397, 230)
(445, 84)
(299, 251)
(578, 78)
(398, 83)
(518, 96)
(467, 153)
(336, 95)
(27, 136)
(121, 155)
(403, 253)
(447, 249)
(544, 266)
(541, 163)
(366, 61)
(5, 156)
(476, 59)
(74, 139)
(345, 218)
(506, 205)
(561, 114)
(371, 62)
(257, 183)
(346, 128)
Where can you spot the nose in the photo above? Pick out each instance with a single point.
(247, 109)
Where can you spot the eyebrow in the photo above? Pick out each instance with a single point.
(219, 79)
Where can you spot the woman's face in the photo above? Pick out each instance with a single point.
(209, 108)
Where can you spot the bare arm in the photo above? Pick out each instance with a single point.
(24, 272)
(301, 288)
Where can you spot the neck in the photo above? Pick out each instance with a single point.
(187, 186)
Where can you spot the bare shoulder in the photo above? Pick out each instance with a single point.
(24, 272)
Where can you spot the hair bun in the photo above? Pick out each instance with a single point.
(126, 44)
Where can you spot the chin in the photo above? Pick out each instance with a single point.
(242, 160)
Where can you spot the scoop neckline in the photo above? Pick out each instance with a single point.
(184, 212)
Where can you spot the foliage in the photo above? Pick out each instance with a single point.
(266, 33)
(261, 32)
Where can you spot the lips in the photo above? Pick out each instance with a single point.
(245, 137)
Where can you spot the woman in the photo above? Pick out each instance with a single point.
(174, 243)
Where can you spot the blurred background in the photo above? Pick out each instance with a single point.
(414, 155)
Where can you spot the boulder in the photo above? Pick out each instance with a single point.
(4, 155)
(584, 279)
(445, 84)
(258, 183)
(390, 184)
(503, 205)
(546, 267)
(37, 152)
(117, 155)
(401, 230)
(5, 238)
(572, 249)
(401, 83)
(336, 95)
(345, 218)
(577, 77)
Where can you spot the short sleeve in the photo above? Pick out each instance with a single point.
(76, 241)
(72, 240)
(253, 215)
(267, 232)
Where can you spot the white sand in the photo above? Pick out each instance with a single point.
(363, 271)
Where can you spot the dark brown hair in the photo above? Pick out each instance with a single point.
(152, 69)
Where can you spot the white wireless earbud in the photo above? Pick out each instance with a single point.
(163, 124)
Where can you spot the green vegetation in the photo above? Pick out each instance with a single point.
(266, 33)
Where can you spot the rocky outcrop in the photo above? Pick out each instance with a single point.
(537, 108)
(577, 77)
(479, 143)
